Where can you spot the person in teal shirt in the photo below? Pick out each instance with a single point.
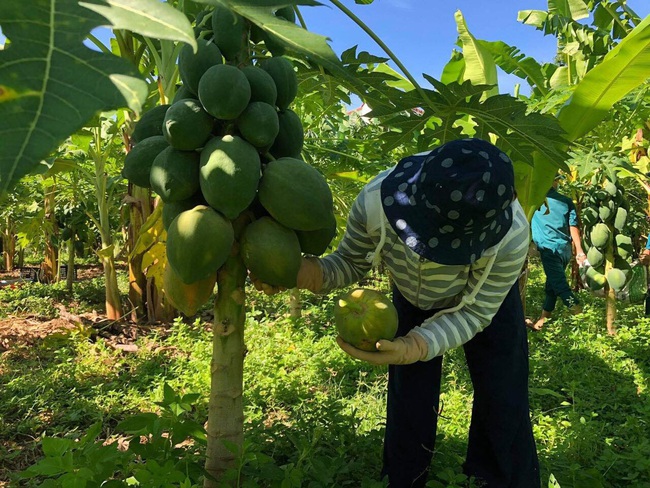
(644, 259)
(554, 229)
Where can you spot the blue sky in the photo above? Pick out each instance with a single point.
(422, 33)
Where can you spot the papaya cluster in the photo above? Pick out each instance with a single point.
(604, 217)
(230, 144)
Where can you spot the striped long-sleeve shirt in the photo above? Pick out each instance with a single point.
(426, 284)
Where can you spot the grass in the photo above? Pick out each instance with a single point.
(315, 417)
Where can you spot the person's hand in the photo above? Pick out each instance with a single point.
(644, 257)
(310, 275)
(265, 287)
(580, 258)
(401, 350)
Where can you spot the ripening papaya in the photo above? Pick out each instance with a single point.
(188, 298)
(271, 252)
(230, 32)
(600, 235)
(224, 91)
(610, 187)
(187, 126)
(150, 124)
(229, 174)
(291, 136)
(259, 124)
(296, 194)
(263, 87)
(285, 78)
(138, 162)
(192, 66)
(607, 211)
(175, 174)
(198, 243)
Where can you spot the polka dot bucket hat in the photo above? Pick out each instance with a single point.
(453, 203)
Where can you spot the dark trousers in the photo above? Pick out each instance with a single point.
(501, 449)
(556, 285)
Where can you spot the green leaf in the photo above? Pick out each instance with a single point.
(574, 9)
(624, 68)
(149, 18)
(533, 182)
(51, 84)
(56, 447)
(512, 61)
(454, 69)
(480, 68)
(138, 423)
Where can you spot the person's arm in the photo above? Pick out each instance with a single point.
(644, 257)
(574, 230)
(346, 265)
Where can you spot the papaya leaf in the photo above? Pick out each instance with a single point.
(624, 68)
(513, 61)
(533, 182)
(479, 64)
(149, 18)
(51, 84)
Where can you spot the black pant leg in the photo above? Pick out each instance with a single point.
(501, 449)
(412, 409)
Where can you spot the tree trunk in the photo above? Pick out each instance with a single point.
(226, 411)
(610, 297)
(140, 210)
(69, 279)
(8, 244)
(522, 282)
(50, 263)
(295, 305)
(113, 300)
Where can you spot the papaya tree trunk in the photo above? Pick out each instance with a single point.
(610, 293)
(50, 263)
(140, 210)
(226, 411)
(69, 279)
(113, 300)
(8, 244)
(295, 304)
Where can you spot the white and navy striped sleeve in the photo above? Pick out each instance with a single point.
(453, 329)
(348, 264)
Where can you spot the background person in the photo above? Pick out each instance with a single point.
(555, 228)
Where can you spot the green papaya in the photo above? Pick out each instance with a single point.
(616, 279)
(187, 126)
(150, 124)
(259, 124)
(198, 243)
(595, 279)
(589, 216)
(271, 252)
(316, 242)
(183, 92)
(600, 235)
(171, 210)
(175, 174)
(138, 162)
(620, 219)
(192, 66)
(610, 188)
(624, 246)
(229, 174)
(230, 30)
(291, 136)
(263, 87)
(595, 257)
(296, 194)
(285, 78)
(224, 91)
